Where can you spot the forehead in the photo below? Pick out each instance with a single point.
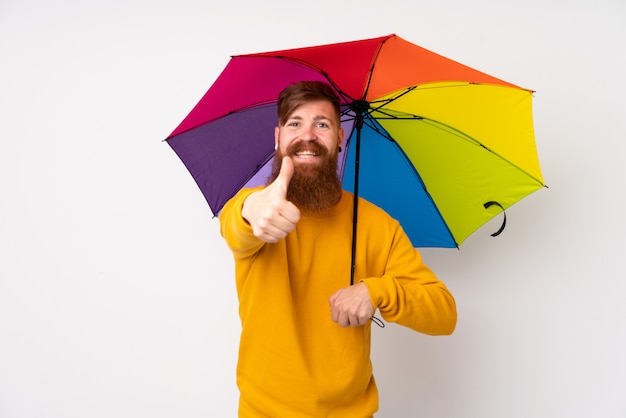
(314, 109)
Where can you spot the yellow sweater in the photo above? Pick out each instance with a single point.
(294, 361)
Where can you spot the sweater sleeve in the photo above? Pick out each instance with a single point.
(409, 293)
(236, 231)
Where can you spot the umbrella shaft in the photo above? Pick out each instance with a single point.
(355, 206)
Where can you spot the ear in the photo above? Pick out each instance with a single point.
(340, 138)
(276, 131)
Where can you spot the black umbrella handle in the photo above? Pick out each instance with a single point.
(494, 203)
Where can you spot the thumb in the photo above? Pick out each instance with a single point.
(284, 177)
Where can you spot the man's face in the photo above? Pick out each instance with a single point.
(311, 134)
(310, 137)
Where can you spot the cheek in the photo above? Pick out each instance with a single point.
(332, 142)
(283, 145)
(285, 139)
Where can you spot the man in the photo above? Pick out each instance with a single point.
(305, 340)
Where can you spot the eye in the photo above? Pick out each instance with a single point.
(293, 124)
(322, 125)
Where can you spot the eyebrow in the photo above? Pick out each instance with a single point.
(316, 118)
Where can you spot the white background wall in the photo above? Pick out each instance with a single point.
(116, 290)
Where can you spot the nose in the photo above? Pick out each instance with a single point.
(308, 133)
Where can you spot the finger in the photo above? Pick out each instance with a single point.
(284, 177)
(334, 314)
(343, 320)
(272, 235)
(280, 228)
(292, 214)
(340, 317)
(331, 300)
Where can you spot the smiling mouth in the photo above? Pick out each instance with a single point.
(306, 154)
(304, 151)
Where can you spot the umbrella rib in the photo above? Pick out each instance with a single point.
(394, 98)
(439, 125)
(252, 106)
(376, 128)
(374, 59)
(434, 123)
(341, 93)
(381, 103)
(430, 197)
(466, 137)
(370, 121)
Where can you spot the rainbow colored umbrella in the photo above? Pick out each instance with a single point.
(443, 148)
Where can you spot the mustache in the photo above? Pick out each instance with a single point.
(309, 146)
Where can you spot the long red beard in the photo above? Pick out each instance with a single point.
(315, 188)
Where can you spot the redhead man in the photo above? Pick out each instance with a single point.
(305, 340)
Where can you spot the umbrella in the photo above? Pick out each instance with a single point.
(442, 147)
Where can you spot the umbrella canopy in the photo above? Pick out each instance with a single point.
(435, 143)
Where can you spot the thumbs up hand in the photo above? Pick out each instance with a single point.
(268, 211)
